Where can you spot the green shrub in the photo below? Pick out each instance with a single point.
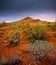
(54, 26)
(48, 24)
(14, 42)
(40, 29)
(35, 33)
(13, 37)
(1, 25)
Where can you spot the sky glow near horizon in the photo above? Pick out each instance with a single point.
(45, 16)
(13, 10)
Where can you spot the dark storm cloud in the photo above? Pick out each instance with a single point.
(11, 10)
(22, 5)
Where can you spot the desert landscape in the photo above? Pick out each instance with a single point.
(28, 42)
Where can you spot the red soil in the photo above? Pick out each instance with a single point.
(6, 51)
(50, 35)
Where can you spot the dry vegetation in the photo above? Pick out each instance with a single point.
(28, 42)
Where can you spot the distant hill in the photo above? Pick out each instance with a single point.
(29, 20)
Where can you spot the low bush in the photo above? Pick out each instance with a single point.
(40, 49)
(15, 61)
(54, 26)
(15, 58)
(13, 37)
(1, 25)
(35, 36)
(14, 42)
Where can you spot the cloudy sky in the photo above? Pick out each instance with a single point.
(12, 10)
